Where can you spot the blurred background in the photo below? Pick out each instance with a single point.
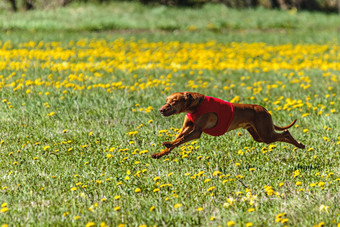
(312, 5)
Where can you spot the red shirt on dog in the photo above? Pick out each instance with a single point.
(223, 109)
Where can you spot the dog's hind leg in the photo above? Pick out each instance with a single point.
(265, 130)
(254, 134)
(288, 138)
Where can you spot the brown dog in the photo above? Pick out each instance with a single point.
(207, 114)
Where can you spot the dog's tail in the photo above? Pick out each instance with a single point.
(285, 127)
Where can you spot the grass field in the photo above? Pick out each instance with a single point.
(79, 117)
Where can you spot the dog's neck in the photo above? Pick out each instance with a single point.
(196, 101)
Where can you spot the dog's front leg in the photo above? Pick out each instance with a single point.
(191, 136)
(161, 154)
(195, 134)
(187, 127)
(190, 131)
(196, 129)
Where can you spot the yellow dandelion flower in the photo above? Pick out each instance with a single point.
(178, 205)
(230, 223)
(103, 224)
(284, 220)
(46, 147)
(132, 133)
(211, 188)
(296, 173)
(207, 180)
(4, 209)
(323, 208)
(251, 210)
(321, 184)
(89, 224)
(321, 224)
(216, 173)
(50, 114)
(109, 155)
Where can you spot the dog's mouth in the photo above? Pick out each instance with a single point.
(167, 113)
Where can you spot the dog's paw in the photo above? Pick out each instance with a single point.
(300, 145)
(161, 154)
(156, 156)
(167, 144)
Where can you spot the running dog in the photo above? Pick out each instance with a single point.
(215, 117)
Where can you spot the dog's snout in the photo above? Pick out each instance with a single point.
(164, 108)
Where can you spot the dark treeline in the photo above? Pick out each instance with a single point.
(311, 5)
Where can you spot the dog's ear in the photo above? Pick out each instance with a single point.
(187, 95)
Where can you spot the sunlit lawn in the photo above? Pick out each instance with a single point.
(79, 121)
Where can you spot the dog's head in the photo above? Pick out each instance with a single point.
(176, 103)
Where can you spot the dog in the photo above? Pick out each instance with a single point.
(215, 117)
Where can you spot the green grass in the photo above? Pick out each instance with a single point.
(215, 22)
(122, 15)
(56, 167)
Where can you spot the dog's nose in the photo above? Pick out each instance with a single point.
(162, 110)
